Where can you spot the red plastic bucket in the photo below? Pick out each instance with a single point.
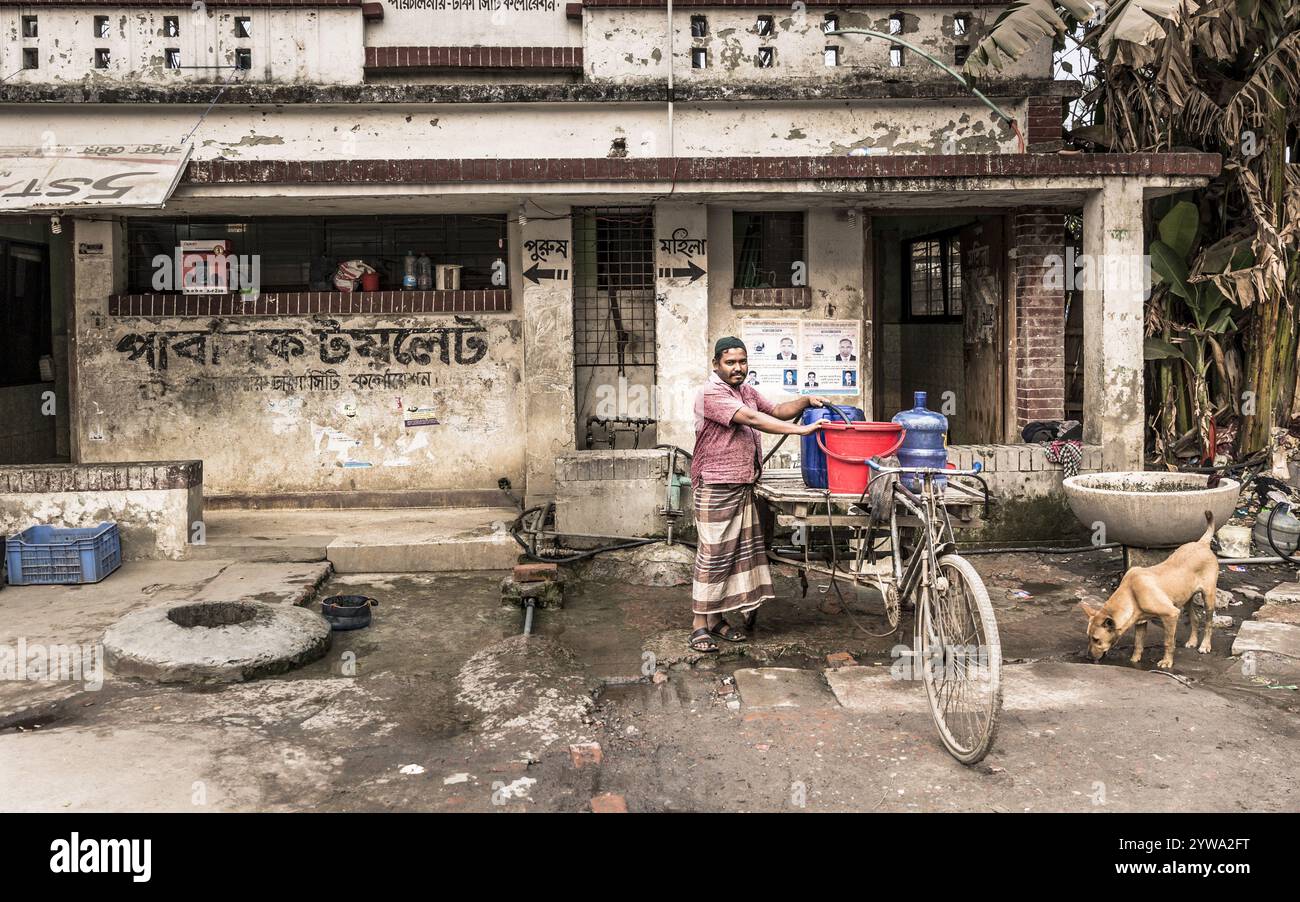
(848, 447)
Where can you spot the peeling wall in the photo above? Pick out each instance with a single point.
(628, 44)
(320, 45)
(301, 404)
(538, 130)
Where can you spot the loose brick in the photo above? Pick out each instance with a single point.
(586, 754)
(609, 803)
(535, 572)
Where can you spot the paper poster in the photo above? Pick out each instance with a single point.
(773, 351)
(829, 357)
(803, 357)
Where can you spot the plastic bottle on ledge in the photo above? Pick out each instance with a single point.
(408, 271)
(424, 273)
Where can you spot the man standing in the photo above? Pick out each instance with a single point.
(731, 571)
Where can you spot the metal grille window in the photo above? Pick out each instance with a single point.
(699, 27)
(172, 56)
(171, 26)
(101, 27)
(243, 27)
(302, 253)
(933, 285)
(769, 248)
(614, 287)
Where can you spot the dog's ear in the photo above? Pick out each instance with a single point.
(1089, 611)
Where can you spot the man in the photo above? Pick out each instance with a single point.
(811, 381)
(787, 350)
(731, 572)
(846, 350)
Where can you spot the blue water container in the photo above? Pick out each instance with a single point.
(812, 460)
(925, 444)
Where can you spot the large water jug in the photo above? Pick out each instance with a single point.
(926, 442)
(812, 460)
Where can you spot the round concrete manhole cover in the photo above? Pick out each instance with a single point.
(225, 641)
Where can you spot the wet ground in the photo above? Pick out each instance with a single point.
(442, 705)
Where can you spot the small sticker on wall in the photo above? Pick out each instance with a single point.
(354, 464)
(420, 416)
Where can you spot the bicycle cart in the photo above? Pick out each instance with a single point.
(902, 545)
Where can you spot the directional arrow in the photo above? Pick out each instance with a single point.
(535, 275)
(691, 270)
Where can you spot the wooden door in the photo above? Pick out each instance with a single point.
(983, 338)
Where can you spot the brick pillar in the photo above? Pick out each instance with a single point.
(1040, 317)
(1045, 121)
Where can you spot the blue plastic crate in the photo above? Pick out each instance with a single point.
(50, 555)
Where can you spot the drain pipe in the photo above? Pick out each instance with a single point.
(529, 606)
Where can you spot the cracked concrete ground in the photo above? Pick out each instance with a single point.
(441, 705)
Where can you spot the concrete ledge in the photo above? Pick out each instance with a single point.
(155, 504)
(443, 498)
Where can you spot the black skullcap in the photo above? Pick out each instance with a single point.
(726, 343)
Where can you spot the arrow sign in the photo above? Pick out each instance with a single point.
(535, 275)
(691, 270)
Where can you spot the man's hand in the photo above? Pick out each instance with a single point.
(817, 401)
(814, 426)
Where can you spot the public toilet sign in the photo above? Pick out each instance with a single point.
(57, 178)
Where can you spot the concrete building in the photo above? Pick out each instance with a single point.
(604, 187)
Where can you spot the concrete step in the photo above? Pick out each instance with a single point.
(407, 540)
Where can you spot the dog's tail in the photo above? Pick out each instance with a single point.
(1209, 527)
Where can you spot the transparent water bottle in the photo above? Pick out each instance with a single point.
(424, 273)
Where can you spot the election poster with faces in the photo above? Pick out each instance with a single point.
(802, 357)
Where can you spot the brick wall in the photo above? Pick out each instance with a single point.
(1040, 319)
(1046, 117)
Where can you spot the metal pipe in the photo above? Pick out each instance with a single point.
(529, 604)
(961, 79)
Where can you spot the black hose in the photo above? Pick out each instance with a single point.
(1268, 534)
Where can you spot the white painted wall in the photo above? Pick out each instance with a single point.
(631, 44)
(474, 23)
(313, 46)
(304, 132)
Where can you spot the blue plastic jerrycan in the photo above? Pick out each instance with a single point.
(812, 460)
(926, 442)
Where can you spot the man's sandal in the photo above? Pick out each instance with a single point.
(701, 641)
(724, 630)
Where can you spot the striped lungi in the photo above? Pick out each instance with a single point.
(731, 572)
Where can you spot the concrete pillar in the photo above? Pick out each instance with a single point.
(547, 308)
(1113, 409)
(682, 339)
(1040, 317)
(99, 270)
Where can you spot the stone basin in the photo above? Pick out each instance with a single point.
(1150, 509)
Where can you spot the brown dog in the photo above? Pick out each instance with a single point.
(1159, 593)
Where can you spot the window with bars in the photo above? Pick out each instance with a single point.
(613, 287)
(302, 253)
(933, 283)
(767, 247)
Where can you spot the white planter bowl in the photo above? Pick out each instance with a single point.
(1150, 509)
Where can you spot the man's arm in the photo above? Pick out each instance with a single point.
(747, 416)
(790, 409)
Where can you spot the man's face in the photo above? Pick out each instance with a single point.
(733, 366)
(846, 347)
(787, 344)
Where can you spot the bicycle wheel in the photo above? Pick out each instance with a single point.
(961, 660)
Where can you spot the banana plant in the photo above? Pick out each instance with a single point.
(1194, 330)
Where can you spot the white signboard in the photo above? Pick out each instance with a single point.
(803, 357)
(63, 178)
